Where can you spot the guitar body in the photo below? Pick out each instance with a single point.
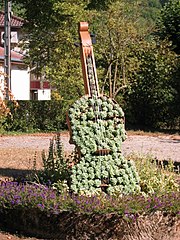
(96, 125)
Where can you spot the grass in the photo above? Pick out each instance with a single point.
(19, 133)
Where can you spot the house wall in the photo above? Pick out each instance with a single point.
(44, 94)
(20, 83)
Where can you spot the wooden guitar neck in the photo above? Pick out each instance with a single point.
(88, 62)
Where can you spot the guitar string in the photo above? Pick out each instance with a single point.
(97, 107)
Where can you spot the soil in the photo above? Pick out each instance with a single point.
(8, 236)
(17, 154)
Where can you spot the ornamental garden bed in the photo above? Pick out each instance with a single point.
(40, 211)
(47, 209)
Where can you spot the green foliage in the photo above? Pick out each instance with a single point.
(113, 43)
(89, 175)
(54, 164)
(155, 178)
(52, 30)
(151, 9)
(17, 8)
(170, 23)
(99, 5)
(163, 2)
(154, 92)
(116, 41)
(33, 116)
(55, 171)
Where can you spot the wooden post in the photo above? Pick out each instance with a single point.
(7, 46)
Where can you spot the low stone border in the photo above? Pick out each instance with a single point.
(74, 226)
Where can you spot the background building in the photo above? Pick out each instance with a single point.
(24, 84)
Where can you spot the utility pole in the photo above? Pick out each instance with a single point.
(7, 45)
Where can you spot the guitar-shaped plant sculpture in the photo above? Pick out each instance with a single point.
(96, 124)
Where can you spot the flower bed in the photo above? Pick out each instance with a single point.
(39, 211)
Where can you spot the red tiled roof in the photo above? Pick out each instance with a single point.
(15, 21)
(15, 57)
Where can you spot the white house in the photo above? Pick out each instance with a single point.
(24, 85)
(20, 76)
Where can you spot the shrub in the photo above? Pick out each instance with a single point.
(154, 177)
(34, 116)
(55, 171)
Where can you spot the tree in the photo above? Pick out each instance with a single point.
(119, 30)
(170, 23)
(17, 8)
(126, 53)
(154, 94)
(98, 4)
(150, 9)
(163, 2)
(52, 30)
(64, 68)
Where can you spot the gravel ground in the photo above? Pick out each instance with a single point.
(162, 147)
